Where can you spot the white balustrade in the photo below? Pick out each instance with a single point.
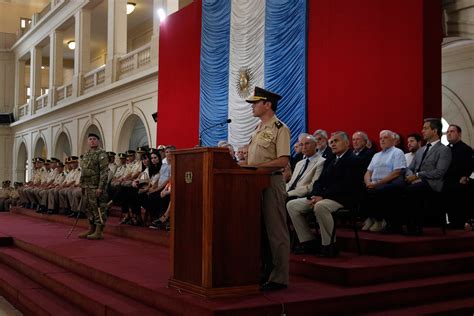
(134, 60)
(23, 110)
(41, 102)
(94, 78)
(44, 12)
(63, 92)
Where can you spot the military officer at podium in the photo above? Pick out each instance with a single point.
(269, 147)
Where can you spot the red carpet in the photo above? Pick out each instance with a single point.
(42, 272)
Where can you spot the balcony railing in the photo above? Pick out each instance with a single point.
(44, 12)
(63, 92)
(23, 110)
(134, 60)
(94, 78)
(41, 102)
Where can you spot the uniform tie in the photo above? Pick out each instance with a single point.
(293, 185)
(424, 155)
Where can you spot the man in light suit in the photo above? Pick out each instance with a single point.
(307, 171)
(425, 173)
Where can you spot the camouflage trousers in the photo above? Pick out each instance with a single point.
(95, 207)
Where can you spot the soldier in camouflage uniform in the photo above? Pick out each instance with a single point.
(93, 184)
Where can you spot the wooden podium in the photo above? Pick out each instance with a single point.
(215, 223)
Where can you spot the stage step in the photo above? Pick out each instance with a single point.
(403, 294)
(155, 236)
(139, 270)
(432, 242)
(458, 307)
(352, 270)
(32, 298)
(93, 298)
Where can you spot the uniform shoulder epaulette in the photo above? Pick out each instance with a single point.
(278, 124)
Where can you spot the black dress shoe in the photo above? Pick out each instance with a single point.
(329, 251)
(392, 229)
(414, 231)
(307, 248)
(272, 286)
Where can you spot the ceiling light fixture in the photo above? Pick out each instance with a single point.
(161, 14)
(71, 45)
(130, 7)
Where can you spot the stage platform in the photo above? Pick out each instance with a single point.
(44, 273)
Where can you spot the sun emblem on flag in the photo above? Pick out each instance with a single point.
(244, 82)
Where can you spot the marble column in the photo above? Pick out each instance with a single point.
(55, 64)
(82, 51)
(116, 37)
(35, 76)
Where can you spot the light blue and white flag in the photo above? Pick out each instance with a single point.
(248, 43)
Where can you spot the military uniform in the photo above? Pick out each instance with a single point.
(47, 198)
(13, 199)
(94, 176)
(5, 192)
(271, 141)
(39, 177)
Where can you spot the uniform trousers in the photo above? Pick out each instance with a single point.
(95, 207)
(74, 196)
(322, 210)
(274, 217)
(64, 202)
(53, 199)
(21, 192)
(10, 202)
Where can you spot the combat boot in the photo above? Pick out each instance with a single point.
(91, 230)
(98, 233)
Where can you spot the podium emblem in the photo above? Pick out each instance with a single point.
(188, 177)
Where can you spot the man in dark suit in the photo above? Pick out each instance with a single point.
(457, 177)
(425, 174)
(338, 186)
(360, 149)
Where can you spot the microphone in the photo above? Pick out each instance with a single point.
(210, 127)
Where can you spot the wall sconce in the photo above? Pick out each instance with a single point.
(130, 7)
(71, 45)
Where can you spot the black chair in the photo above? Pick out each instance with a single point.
(351, 215)
(435, 204)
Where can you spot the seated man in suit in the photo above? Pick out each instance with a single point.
(360, 149)
(324, 150)
(338, 186)
(425, 174)
(413, 144)
(298, 147)
(457, 179)
(306, 171)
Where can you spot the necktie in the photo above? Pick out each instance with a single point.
(293, 185)
(423, 157)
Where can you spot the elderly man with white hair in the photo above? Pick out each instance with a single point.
(307, 171)
(383, 179)
(324, 150)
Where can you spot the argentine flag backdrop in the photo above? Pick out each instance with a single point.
(248, 43)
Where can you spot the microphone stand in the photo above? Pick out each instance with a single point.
(212, 126)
